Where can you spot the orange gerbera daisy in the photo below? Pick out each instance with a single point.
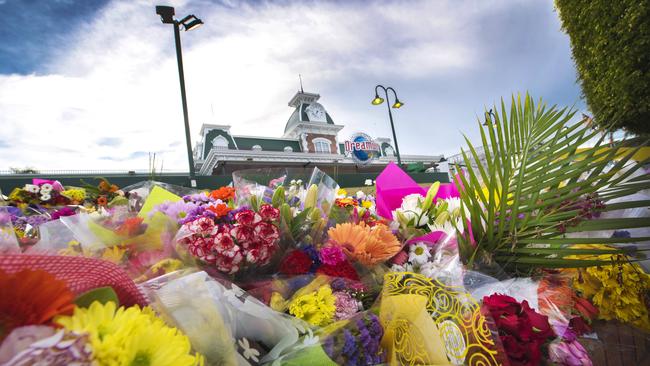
(31, 297)
(223, 193)
(368, 245)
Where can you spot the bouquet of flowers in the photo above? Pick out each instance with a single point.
(46, 319)
(42, 192)
(233, 240)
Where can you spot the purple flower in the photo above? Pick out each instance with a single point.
(569, 354)
(331, 255)
(338, 284)
(198, 197)
(312, 252)
(350, 345)
(346, 306)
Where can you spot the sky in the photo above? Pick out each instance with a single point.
(93, 84)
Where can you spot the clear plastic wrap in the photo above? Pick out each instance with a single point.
(8, 241)
(221, 318)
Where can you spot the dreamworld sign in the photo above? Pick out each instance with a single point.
(362, 148)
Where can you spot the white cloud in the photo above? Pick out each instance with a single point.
(116, 78)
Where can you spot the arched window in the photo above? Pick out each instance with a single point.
(220, 143)
(256, 148)
(389, 151)
(322, 145)
(288, 149)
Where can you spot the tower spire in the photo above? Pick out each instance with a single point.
(300, 77)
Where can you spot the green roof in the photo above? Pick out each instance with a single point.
(267, 144)
(212, 134)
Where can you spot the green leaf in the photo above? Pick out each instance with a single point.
(101, 294)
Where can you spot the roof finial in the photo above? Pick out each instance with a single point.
(300, 77)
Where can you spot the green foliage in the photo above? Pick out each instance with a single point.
(610, 42)
(535, 180)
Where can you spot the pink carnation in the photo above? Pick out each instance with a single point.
(247, 217)
(331, 255)
(346, 306)
(269, 212)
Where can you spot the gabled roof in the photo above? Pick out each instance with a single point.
(300, 115)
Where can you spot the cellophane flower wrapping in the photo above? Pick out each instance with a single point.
(224, 323)
(8, 241)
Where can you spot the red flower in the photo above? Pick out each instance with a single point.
(400, 258)
(499, 305)
(247, 217)
(585, 308)
(296, 262)
(538, 322)
(242, 233)
(514, 348)
(343, 269)
(31, 297)
(131, 226)
(223, 243)
(201, 226)
(509, 323)
(229, 262)
(269, 213)
(579, 326)
(267, 231)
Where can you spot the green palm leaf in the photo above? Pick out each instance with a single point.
(534, 183)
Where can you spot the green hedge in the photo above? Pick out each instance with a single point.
(610, 41)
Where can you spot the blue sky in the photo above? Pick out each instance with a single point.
(89, 84)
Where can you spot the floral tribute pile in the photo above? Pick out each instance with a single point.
(282, 271)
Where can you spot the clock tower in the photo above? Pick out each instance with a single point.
(312, 125)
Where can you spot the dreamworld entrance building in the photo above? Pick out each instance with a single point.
(310, 139)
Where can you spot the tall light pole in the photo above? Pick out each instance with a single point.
(189, 22)
(377, 101)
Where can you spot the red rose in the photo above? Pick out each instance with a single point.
(579, 326)
(247, 217)
(242, 233)
(499, 305)
(509, 323)
(267, 231)
(269, 213)
(343, 269)
(296, 262)
(514, 348)
(538, 322)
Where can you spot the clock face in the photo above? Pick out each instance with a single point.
(316, 112)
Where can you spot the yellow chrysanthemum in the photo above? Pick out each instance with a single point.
(316, 308)
(617, 290)
(130, 336)
(114, 254)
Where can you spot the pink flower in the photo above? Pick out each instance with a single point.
(346, 306)
(267, 231)
(269, 213)
(201, 226)
(247, 217)
(331, 254)
(242, 233)
(569, 354)
(200, 248)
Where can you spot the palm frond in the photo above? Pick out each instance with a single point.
(535, 182)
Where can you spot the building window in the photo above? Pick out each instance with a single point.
(288, 149)
(257, 148)
(220, 143)
(322, 145)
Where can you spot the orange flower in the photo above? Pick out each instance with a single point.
(368, 245)
(102, 200)
(346, 202)
(130, 227)
(220, 209)
(223, 193)
(554, 291)
(104, 186)
(31, 297)
(113, 188)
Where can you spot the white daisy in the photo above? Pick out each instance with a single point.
(32, 188)
(46, 188)
(419, 253)
(45, 197)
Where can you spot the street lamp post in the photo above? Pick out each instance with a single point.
(189, 22)
(377, 101)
